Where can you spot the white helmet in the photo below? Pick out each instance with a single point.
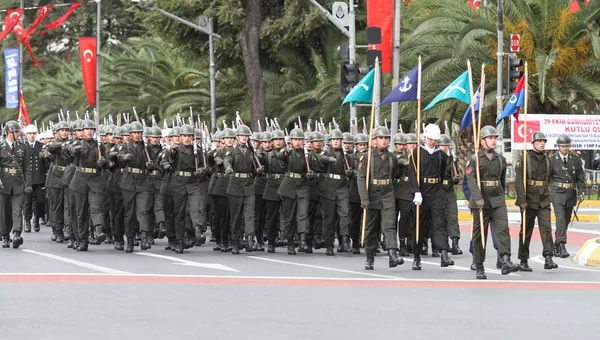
(432, 131)
(30, 128)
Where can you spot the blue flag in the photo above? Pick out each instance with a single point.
(408, 89)
(11, 77)
(459, 89)
(362, 91)
(516, 101)
(466, 120)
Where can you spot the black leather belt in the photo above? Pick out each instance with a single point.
(380, 181)
(295, 175)
(87, 170)
(431, 180)
(490, 183)
(335, 176)
(536, 183)
(563, 185)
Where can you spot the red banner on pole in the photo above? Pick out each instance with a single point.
(22, 35)
(87, 52)
(62, 19)
(42, 14)
(12, 18)
(380, 13)
(23, 115)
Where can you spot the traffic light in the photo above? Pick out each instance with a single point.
(349, 76)
(513, 74)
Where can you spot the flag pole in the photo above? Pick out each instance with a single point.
(417, 131)
(525, 155)
(370, 147)
(476, 146)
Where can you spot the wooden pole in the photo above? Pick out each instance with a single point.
(417, 131)
(525, 155)
(370, 151)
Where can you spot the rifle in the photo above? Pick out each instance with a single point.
(452, 152)
(364, 126)
(194, 141)
(148, 159)
(268, 127)
(300, 123)
(308, 123)
(259, 126)
(96, 121)
(335, 124)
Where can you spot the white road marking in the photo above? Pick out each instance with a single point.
(540, 259)
(183, 262)
(326, 268)
(86, 265)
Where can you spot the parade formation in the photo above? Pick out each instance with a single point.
(130, 184)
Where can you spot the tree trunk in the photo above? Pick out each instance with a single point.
(249, 41)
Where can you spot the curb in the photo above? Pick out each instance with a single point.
(465, 216)
(586, 203)
(589, 254)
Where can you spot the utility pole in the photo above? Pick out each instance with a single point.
(352, 47)
(396, 64)
(499, 57)
(98, 39)
(21, 5)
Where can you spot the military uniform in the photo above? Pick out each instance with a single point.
(38, 167)
(222, 218)
(355, 208)
(56, 188)
(115, 193)
(275, 169)
(260, 208)
(404, 205)
(156, 176)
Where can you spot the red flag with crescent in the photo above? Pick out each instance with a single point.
(42, 14)
(87, 52)
(23, 115)
(12, 18)
(22, 35)
(62, 19)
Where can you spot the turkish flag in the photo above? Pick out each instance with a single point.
(519, 130)
(87, 52)
(42, 14)
(574, 7)
(62, 19)
(475, 4)
(12, 18)
(24, 38)
(23, 115)
(380, 13)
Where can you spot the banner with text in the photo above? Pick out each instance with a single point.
(11, 77)
(584, 130)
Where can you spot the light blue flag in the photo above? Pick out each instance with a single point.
(459, 89)
(362, 91)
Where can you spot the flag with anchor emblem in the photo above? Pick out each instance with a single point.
(408, 89)
(458, 89)
(362, 91)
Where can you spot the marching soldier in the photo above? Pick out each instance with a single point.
(378, 200)
(450, 180)
(222, 216)
(409, 221)
(275, 169)
(490, 200)
(240, 164)
(430, 196)
(260, 181)
(567, 184)
(15, 178)
(167, 191)
(315, 206)
(115, 193)
(210, 158)
(361, 141)
(77, 127)
(57, 189)
(88, 186)
(155, 152)
(535, 201)
(404, 204)
(38, 167)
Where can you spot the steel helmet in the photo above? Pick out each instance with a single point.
(125, 130)
(61, 125)
(297, 134)
(175, 132)
(12, 126)
(30, 129)
(432, 131)
(538, 135)
(307, 135)
(197, 133)
(101, 130)
(444, 140)
(155, 132)
(136, 127)
(243, 130)
(398, 138)
(316, 136)
(410, 138)
(146, 130)
(488, 131)
(117, 132)
(187, 130)
(361, 138)
(347, 137)
(228, 133)
(277, 134)
(109, 129)
(265, 136)
(563, 140)
(381, 131)
(89, 124)
(255, 136)
(335, 134)
(78, 125)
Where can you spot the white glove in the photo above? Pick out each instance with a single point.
(418, 199)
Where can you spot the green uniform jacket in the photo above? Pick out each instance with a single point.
(241, 164)
(88, 158)
(571, 173)
(489, 170)
(14, 184)
(294, 187)
(383, 166)
(136, 182)
(538, 169)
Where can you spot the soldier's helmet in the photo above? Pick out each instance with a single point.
(255, 136)
(125, 130)
(228, 133)
(175, 132)
(197, 133)
(398, 138)
(12, 126)
(432, 131)
(101, 131)
(444, 140)
(347, 137)
(307, 135)
(243, 130)
(89, 124)
(78, 125)
(146, 130)
(316, 136)
(381, 131)
(61, 125)
(109, 129)
(187, 129)
(297, 134)
(563, 140)
(488, 131)
(54, 128)
(117, 132)
(155, 132)
(361, 138)
(538, 135)
(277, 134)
(136, 127)
(335, 134)
(265, 136)
(410, 138)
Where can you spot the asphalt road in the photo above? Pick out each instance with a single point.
(51, 292)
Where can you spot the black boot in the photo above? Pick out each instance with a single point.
(162, 231)
(109, 239)
(549, 264)
(507, 266)
(403, 248)
(100, 236)
(130, 243)
(319, 242)
(120, 244)
(563, 251)
(329, 250)
(27, 225)
(75, 243)
(480, 272)
(198, 236)
(355, 248)
(425, 248)
(291, 248)
(271, 248)
(473, 266)
(5, 241)
(394, 259)
(83, 245)
(416, 263)
(249, 243)
(36, 224)
(169, 245)
(525, 266)
(59, 236)
(179, 246)
(217, 247)
(71, 242)
(445, 260)
(455, 248)
(17, 240)
(225, 248)
(259, 245)
(144, 245)
(302, 248)
(235, 248)
(556, 250)
(499, 262)
(434, 251)
(344, 245)
(370, 264)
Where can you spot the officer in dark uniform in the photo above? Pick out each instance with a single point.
(335, 192)
(156, 176)
(295, 191)
(404, 205)
(115, 193)
(38, 167)
(108, 145)
(222, 216)
(378, 199)
(535, 201)
(488, 196)
(409, 221)
(450, 180)
(260, 181)
(16, 183)
(137, 187)
(430, 195)
(567, 184)
(361, 141)
(240, 163)
(275, 169)
(315, 206)
(88, 185)
(57, 189)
